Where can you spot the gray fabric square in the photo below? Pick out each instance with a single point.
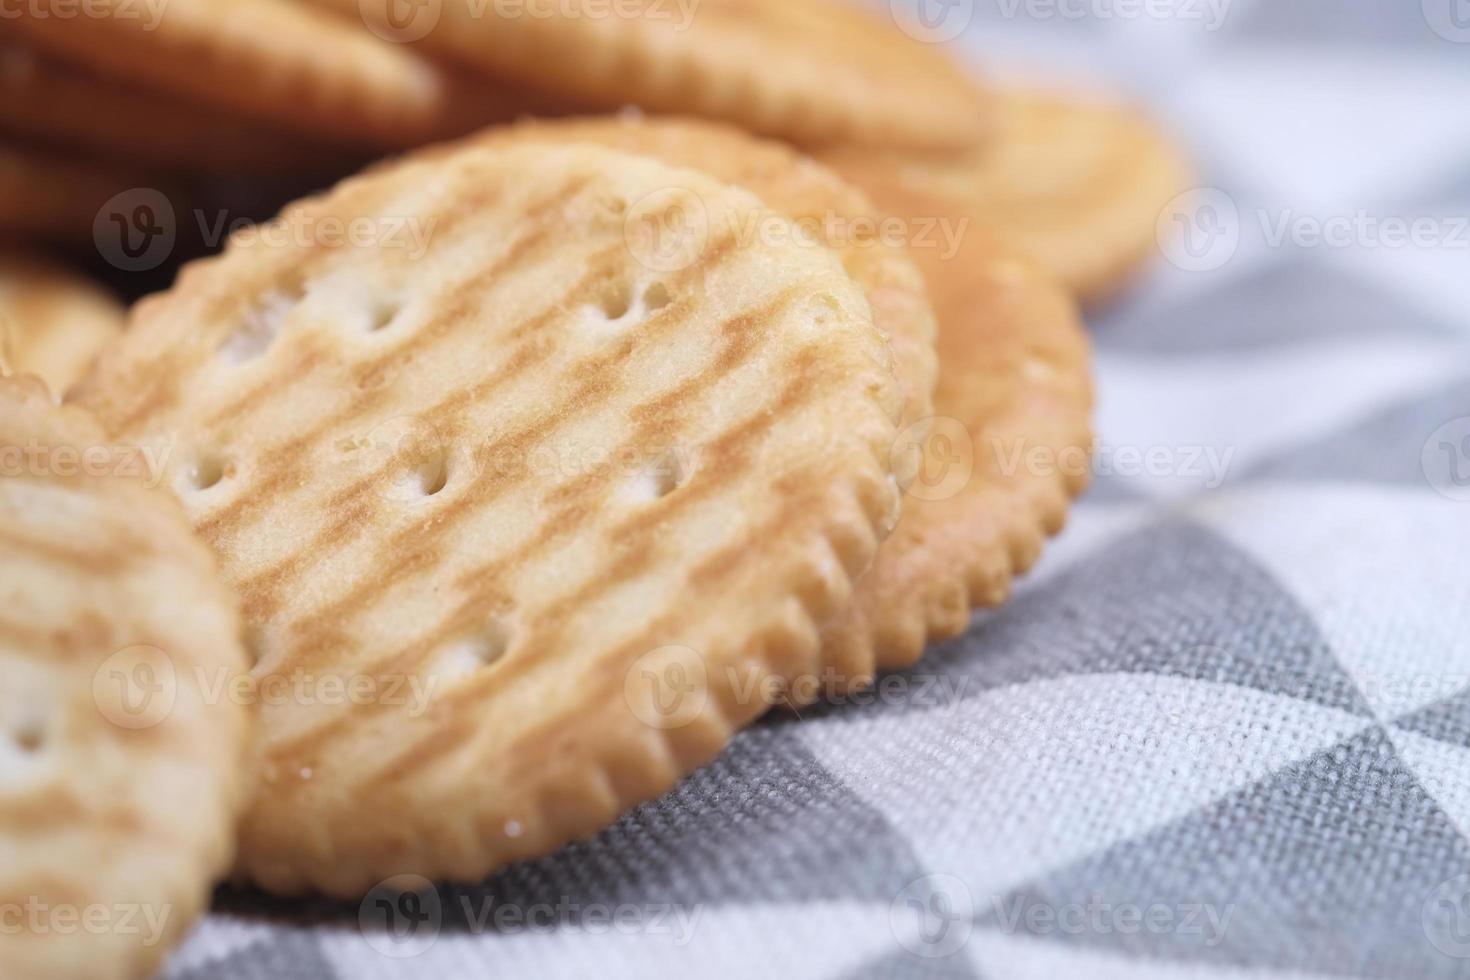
(1444, 721)
(908, 966)
(1297, 301)
(1387, 447)
(763, 822)
(293, 953)
(1328, 866)
(1197, 607)
(1369, 24)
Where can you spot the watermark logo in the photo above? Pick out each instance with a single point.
(405, 454)
(1199, 230)
(667, 230)
(934, 458)
(1450, 19)
(1446, 917)
(667, 687)
(932, 21)
(933, 916)
(401, 917)
(135, 230)
(136, 687)
(1446, 459)
(401, 21)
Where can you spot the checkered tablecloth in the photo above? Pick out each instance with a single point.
(1224, 728)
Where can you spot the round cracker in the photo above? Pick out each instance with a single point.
(828, 211)
(1076, 186)
(809, 70)
(121, 761)
(1007, 451)
(57, 320)
(277, 61)
(528, 470)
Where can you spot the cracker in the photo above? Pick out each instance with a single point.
(277, 61)
(1008, 450)
(57, 321)
(50, 102)
(505, 483)
(826, 209)
(1075, 186)
(809, 70)
(121, 766)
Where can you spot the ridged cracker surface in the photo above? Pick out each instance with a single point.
(56, 321)
(1008, 449)
(825, 210)
(830, 213)
(121, 762)
(1077, 187)
(810, 70)
(551, 490)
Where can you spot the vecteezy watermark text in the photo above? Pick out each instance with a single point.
(406, 21)
(671, 228)
(933, 917)
(138, 230)
(403, 917)
(149, 12)
(33, 458)
(1202, 230)
(137, 688)
(36, 916)
(669, 687)
(1210, 14)
(833, 230)
(406, 232)
(1205, 921)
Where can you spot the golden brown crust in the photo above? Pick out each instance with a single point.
(277, 61)
(511, 468)
(122, 763)
(809, 70)
(57, 320)
(1009, 449)
(1074, 186)
(55, 104)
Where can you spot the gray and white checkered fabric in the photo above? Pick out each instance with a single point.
(1224, 728)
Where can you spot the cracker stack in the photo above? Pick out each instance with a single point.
(501, 483)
